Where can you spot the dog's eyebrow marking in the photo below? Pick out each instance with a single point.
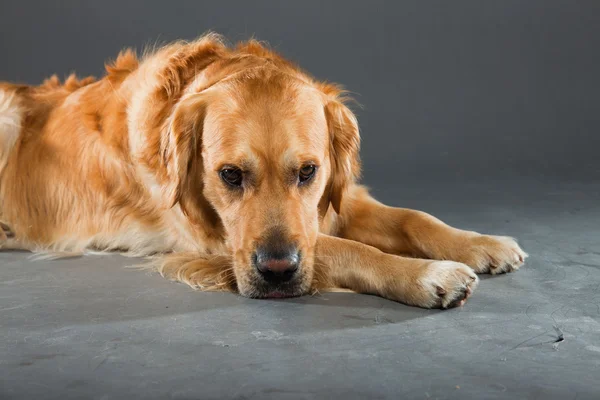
(244, 164)
(296, 160)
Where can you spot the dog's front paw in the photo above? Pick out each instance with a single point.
(492, 254)
(445, 284)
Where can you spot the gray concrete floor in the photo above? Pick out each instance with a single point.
(89, 328)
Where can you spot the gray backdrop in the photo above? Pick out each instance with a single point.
(451, 90)
(484, 113)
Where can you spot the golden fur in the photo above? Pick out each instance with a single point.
(132, 162)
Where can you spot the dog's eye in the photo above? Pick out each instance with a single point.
(232, 176)
(306, 173)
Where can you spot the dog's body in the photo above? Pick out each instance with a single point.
(232, 163)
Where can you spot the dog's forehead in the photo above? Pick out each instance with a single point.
(262, 120)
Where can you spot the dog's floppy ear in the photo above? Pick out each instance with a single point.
(344, 142)
(181, 145)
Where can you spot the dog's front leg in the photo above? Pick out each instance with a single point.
(200, 271)
(352, 265)
(418, 234)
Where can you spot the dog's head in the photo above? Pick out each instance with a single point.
(273, 151)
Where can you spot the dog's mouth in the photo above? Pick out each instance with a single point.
(263, 285)
(279, 295)
(278, 292)
(281, 291)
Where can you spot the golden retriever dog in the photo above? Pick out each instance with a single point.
(234, 169)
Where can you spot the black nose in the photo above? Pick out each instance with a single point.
(277, 266)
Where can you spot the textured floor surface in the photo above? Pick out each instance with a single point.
(89, 328)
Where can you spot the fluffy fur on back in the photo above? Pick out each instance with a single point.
(105, 174)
